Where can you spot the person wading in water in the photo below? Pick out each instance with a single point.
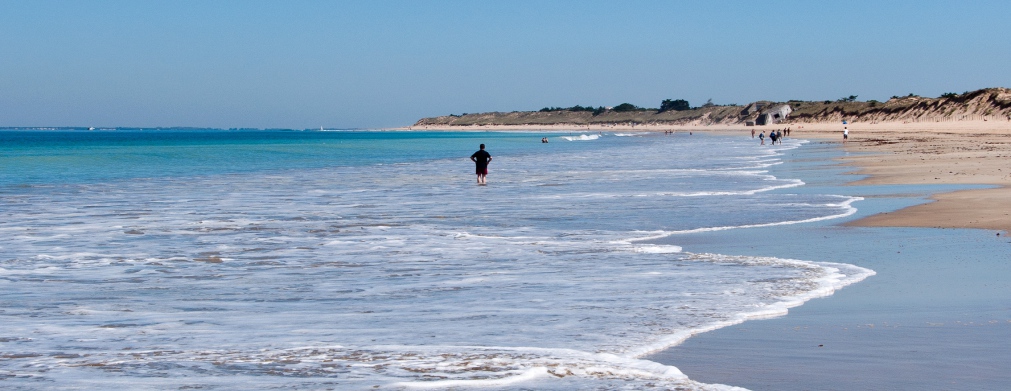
(481, 158)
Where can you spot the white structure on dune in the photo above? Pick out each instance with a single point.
(773, 115)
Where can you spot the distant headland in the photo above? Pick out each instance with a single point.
(989, 104)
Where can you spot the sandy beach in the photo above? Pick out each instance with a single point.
(936, 315)
(935, 312)
(964, 153)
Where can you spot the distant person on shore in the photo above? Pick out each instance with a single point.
(772, 136)
(762, 137)
(752, 133)
(845, 134)
(481, 158)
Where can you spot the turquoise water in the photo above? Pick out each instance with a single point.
(349, 260)
(53, 157)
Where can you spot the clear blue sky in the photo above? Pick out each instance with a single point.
(305, 64)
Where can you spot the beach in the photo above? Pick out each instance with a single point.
(932, 224)
(554, 196)
(586, 260)
(938, 313)
(221, 259)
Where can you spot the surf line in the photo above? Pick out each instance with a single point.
(850, 210)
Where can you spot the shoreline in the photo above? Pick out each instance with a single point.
(887, 153)
(935, 315)
(938, 306)
(948, 153)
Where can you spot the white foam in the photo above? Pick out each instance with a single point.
(524, 376)
(846, 205)
(395, 275)
(582, 137)
(831, 279)
(658, 249)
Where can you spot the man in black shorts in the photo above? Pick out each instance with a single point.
(481, 158)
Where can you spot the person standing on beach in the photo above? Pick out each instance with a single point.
(752, 133)
(762, 137)
(481, 158)
(845, 134)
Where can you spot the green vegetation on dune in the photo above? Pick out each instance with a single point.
(989, 104)
(676, 105)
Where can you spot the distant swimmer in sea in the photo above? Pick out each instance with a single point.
(544, 140)
(481, 158)
(762, 137)
(845, 134)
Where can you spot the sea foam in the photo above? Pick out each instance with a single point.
(400, 276)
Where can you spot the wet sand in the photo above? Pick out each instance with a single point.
(967, 152)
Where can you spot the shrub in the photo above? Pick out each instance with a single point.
(573, 108)
(626, 107)
(676, 105)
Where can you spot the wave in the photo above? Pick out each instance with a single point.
(405, 276)
(582, 137)
(848, 210)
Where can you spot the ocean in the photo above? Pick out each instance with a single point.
(230, 260)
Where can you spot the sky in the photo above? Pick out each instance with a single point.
(372, 64)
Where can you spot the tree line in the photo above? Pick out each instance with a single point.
(665, 105)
